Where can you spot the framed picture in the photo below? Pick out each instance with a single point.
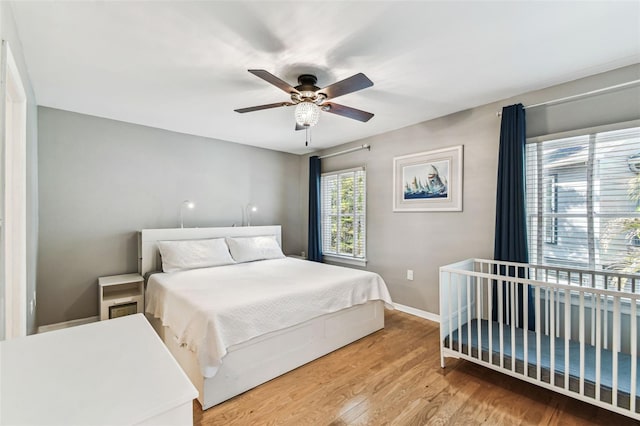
(428, 181)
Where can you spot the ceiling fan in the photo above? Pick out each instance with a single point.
(310, 99)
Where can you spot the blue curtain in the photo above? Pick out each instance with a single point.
(315, 244)
(510, 242)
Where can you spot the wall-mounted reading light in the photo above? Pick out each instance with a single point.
(185, 204)
(251, 208)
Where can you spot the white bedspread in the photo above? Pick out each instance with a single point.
(212, 309)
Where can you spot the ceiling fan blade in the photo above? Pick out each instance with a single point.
(299, 127)
(348, 85)
(259, 107)
(346, 111)
(270, 78)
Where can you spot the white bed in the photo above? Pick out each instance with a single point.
(221, 350)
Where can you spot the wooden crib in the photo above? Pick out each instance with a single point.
(571, 331)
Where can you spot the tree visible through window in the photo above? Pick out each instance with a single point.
(582, 201)
(343, 213)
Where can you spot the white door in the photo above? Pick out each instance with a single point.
(13, 182)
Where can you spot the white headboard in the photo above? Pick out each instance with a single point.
(149, 257)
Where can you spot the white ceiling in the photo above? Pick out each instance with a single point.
(182, 65)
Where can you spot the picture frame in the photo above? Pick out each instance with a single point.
(429, 181)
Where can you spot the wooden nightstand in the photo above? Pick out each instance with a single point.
(120, 295)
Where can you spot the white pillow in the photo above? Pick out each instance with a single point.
(190, 254)
(247, 249)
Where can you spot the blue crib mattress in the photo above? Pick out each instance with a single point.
(606, 356)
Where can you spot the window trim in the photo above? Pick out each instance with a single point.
(341, 258)
(356, 261)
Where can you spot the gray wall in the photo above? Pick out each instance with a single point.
(103, 180)
(9, 33)
(600, 109)
(424, 241)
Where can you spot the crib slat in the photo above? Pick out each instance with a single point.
(525, 316)
(538, 334)
(547, 304)
(508, 305)
(450, 313)
(616, 347)
(618, 336)
(593, 319)
(490, 313)
(582, 337)
(605, 328)
(512, 321)
(469, 344)
(598, 345)
(459, 315)
(581, 277)
(557, 308)
(479, 314)
(500, 291)
(552, 340)
(634, 352)
(567, 335)
(516, 305)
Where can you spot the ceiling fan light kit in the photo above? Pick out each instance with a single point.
(307, 114)
(310, 99)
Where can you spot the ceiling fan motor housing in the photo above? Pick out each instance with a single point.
(307, 90)
(307, 83)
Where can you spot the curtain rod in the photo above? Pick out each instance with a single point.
(346, 151)
(579, 95)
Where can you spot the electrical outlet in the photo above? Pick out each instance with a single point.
(410, 274)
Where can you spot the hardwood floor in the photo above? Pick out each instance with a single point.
(393, 377)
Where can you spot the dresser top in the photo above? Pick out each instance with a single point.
(111, 372)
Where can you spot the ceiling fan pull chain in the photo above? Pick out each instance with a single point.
(306, 143)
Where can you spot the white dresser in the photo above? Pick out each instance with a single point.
(115, 372)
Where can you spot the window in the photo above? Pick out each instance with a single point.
(344, 215)
(583, 196)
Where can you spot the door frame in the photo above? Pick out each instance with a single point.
(13, 195)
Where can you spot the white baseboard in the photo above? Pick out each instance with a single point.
(66, 324)
(417, 312)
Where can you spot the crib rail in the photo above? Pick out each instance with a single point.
(570, 330)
